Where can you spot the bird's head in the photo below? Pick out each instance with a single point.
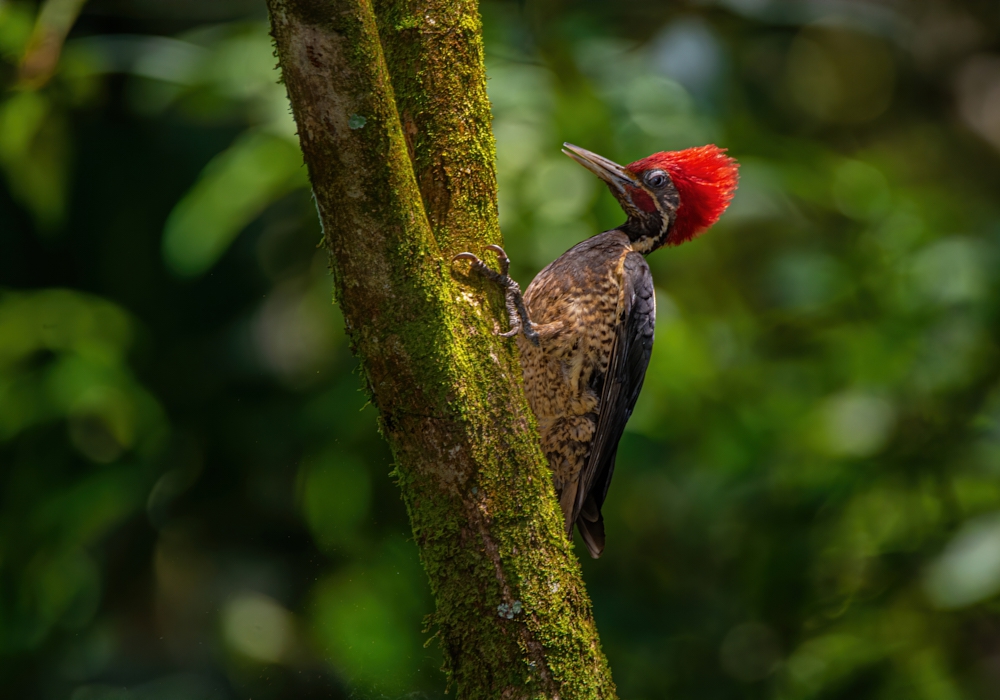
(670, 197)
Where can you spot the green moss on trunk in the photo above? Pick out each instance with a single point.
(396, 136)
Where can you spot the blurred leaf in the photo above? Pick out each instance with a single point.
(84, 377)
(34, 153)
(233, 189)
(85, 511)
(16, 20)
(41, 56)
(63, 356)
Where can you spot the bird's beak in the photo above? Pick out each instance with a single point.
(609, 171)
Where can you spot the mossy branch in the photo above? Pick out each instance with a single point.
(397, 199)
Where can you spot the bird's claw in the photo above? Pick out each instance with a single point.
(516, 309)
(501, 257)
(478, 266)
(477, 263)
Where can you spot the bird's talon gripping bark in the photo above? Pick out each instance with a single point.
(502, 258)
(516, 310)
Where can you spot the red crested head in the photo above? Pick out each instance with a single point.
(705, 178)
(669, 197)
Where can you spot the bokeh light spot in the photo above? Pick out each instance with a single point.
(257, 626)
(968, 570)
(950, 271)
(857, 424)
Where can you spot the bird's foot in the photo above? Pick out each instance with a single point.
(516, 310)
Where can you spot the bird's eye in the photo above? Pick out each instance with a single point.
(657, 178)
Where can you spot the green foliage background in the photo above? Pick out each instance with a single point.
(194, 500)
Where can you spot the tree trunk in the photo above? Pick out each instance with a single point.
(394, 124)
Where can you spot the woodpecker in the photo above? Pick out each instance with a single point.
(584, 326)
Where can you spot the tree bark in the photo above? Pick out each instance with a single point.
(394, 125)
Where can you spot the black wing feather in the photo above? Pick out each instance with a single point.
(630, 351)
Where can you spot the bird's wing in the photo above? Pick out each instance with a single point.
(630, 351)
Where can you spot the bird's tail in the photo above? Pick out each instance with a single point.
(591, 525)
